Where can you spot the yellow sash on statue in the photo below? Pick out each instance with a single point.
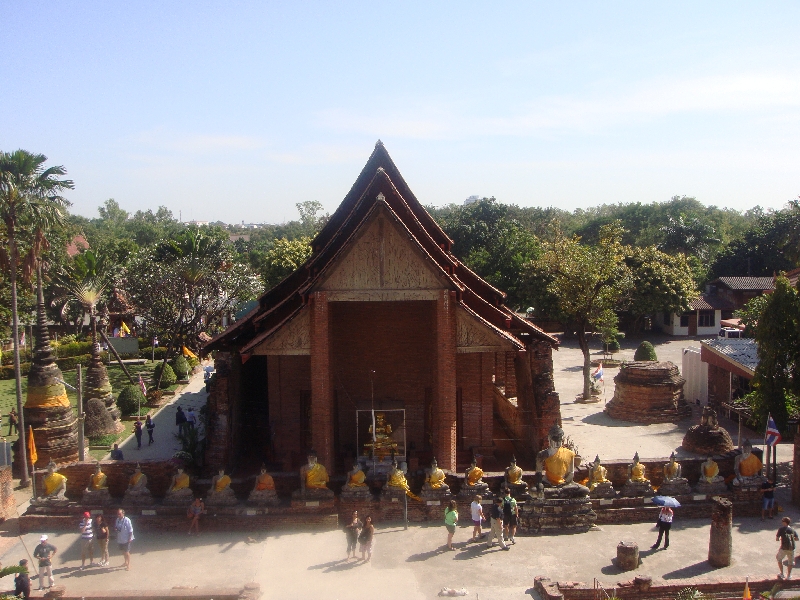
(99, 481)
(750, 466)
(181, 482)
(135, 479)
(265, 482)
(558, 465)
(316, 477)
(357, 479)
(53, 482)
(222, 483)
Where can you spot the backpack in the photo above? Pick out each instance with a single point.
(787, 538)
(507, 509)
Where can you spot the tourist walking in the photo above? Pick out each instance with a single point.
(101, 533)
(13, 422)
(351, 531)
(196, 509)
(365, 539)
(510, 516)
(180, 420)
(87, 540)
(476, 512)
(191, 418)
(45, 552)
(22, 581)
(787, 537)
(496, 524)
(768, 503)
(150, 426)
(124, 529)
(664, 524)
(116, 453)
(137, 431)
(450, 520)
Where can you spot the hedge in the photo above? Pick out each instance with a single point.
(130, 399)
(7, 372)
(148, 352)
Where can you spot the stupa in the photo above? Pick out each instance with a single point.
(648, 392)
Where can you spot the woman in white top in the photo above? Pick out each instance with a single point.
(476, 510)
(664, 524)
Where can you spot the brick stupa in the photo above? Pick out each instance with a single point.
(97, 395)
(648, 392)
(47, 408)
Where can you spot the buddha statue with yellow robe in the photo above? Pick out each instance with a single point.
(710, 482)
(638, 485)
(434, 479)
(397, 485)
(599, 484)
(55, 487)
(221, 493)
(637, 471)
(747, 467)
(674, 484)
(356, 485)
(555, 466)
(137, 493)
(99, 479)
(264, 489)
(179, 491)
(97, 493)
(313, 479)
(474, 485)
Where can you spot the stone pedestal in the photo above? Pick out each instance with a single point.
(627, 556)
(720, 544)
(707, 440)
(469, 492)
(648, 392)
(356, 493)
(636, 489)
(443, 496)
(50, 502)
(603, 490)
(675, 487)
(312, 497)
(182, 497)
(555, 510)
(96, 498)
(393, 495)
(224, 498)
(138, 497)
(518, 491)
(716, 487)
(263, 498)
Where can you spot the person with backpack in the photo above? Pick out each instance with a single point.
(787, 537)
(510, 516)
(496, 516)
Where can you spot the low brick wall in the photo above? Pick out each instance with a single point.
(721, 590)
(249, 592)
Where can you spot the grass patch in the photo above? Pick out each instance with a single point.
(103, 440)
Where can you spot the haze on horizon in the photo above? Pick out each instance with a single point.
(237, 111)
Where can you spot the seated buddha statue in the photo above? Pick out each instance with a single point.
(397, 484)
(638, 485)
(382, 444)
(313, 479)
(97, 493)
(137, 492)
(356, 482)
(179, 491)
(264, 489)
(473, 481)
(55, 487)
(434, 481)
(672, 470)
(747, 467)
(673, 484)
(710, 482)
(512, 479)
(599, 485)
(221, 493)
(556, 465)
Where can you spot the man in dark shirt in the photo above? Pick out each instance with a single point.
(787, 538)
(116, 453)
(768, 491)
(45, 552)
(22, 582)
(496, 516)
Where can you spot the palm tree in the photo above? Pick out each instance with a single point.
(30, 200)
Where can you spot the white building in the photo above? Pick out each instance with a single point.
(703, 318)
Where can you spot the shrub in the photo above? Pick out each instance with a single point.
(169, 377)
(69, 363)
(645, 351)
(193, 362)
(73, 349)
(180, 366)
(7, 372)
(613, 346)
(147, 352)
(129, 399)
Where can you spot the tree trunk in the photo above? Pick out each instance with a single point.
(583, 342)
(23, 449)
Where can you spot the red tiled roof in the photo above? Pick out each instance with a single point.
(710, 302)
(747, 283)
(379, 187)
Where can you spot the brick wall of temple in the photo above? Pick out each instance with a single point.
(218, 433)
(395, 340)
(8, 504)
(474, 380)
(548, 405)
(159, 474)
(796, 469)
(289, 379)
(719, 385)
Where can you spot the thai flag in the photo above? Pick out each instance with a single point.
(142, 386)
(598, 372)
(773, 435)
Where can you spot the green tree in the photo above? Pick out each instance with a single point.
(776, 384)
(588, 281)
(283, 258)
(750, 314)
(30, 200)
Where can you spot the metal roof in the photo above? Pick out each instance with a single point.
(742, 351)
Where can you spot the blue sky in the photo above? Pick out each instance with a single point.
(236, 111)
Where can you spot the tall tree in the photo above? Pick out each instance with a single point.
(30, 199)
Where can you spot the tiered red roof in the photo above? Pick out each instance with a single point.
(379, 185)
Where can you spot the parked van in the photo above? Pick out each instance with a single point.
(730, 332)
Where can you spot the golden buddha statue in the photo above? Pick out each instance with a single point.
(672, 470)
(264, 481)
(513, 474)
(99, 480)
(396, 482)
(313, 479)
(636, 471)
(434, 479)
(747, 467)
(382, 444)
(597, 473)
(356, 477)
(474, 474)
(556, 467)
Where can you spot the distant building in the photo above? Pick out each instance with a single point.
(472, 200)
(198, 223)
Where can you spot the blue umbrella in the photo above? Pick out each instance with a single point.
(666, 501)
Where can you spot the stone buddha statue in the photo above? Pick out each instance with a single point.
(264, 489)
(382, 444)
(397, 484)
(599, 485)
(747, 467)
(556, 466)
(710, 482)
(313, 480)
(179, 491)
(434, 481)
(473, 481)
(512, 479)
(638, 484)
(674, 484)
(97, 493)
(707, 437)
(55, 488)
(221, 493)
(137, 492)
(356, 486)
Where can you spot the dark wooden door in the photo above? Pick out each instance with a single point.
(693, 323)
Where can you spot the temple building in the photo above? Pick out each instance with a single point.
(381, 319)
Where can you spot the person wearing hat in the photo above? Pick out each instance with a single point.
(45, 552)
(22, 581)
(87, 540)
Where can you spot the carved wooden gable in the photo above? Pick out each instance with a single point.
(382, 263)
(473, 335)
(292, 339)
